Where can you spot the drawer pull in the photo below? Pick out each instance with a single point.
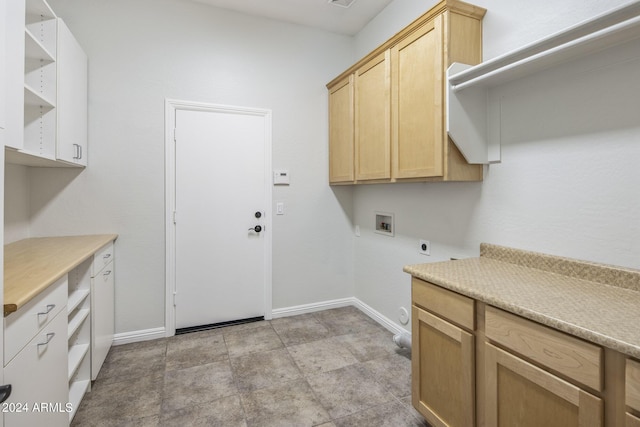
(49, 308)
(106, 273)
(50, 336)
(106, 256)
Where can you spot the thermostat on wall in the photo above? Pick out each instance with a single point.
(281, 177)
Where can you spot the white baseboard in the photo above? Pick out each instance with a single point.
(344, 302)
(387, 323)
(310, 308)
(156, 333)
(135, 336)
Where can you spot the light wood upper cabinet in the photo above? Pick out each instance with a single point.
(417, 113)
(400, 132)
(341, 131)
(372, 136)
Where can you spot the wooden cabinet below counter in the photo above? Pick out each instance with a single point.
(475, 364)
(632, 393)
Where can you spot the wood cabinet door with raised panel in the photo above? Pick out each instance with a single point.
(372, 120)
(521, 394)
(442, 363)
(417, 103)
(341, 132)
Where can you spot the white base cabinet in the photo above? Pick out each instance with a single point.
(56, 342)
(38, 375)
(102, 307)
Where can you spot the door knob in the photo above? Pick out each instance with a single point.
(5, 392)
(258, 214)
(257, 228)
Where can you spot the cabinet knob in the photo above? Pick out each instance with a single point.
(257, 228)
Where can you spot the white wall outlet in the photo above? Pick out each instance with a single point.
(403, 315)
(425, 247)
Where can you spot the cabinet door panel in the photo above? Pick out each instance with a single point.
(519, 393)
(442, 371)
(39, 376)
(72, 98)
(632, 384)
(102, 317)
(632, 421)
(341, 132)
(373, 139)
(417, 103)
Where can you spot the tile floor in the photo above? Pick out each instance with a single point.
(331, 368)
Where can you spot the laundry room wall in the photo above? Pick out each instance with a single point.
(567, 184)
(143, 51)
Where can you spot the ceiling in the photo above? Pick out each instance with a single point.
(313, 13)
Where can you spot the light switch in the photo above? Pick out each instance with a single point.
(279, 208)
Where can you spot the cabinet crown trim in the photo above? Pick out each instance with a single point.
(455, 6)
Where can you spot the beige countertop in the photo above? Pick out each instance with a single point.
(599, 303)
(31, 265)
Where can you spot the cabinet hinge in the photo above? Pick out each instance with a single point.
(174, 135)
(174, 298)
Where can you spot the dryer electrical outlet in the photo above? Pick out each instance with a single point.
(425, 247)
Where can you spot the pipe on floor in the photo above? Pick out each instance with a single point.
(402, 340)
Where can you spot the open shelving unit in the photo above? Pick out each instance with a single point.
(79, 333)
(40, 78)
(473, 119)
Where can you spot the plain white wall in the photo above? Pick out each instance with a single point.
(568, 182)
(143, 51)
(16, 203)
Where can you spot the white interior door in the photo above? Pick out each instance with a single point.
(222, 199)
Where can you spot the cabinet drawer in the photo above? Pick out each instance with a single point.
(20, 327)
(632, 382)
(101, 258)
(38, 375)
(555, 350)
(447, 304)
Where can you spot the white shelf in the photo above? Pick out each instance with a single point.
(25, 158)
(39, 8)
(76, 354)
(76, 298)
(76, 321)
(473, 117)
(34, 49)
(77, 389)
(34, 98)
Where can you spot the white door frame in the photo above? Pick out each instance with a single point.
(171, 106)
